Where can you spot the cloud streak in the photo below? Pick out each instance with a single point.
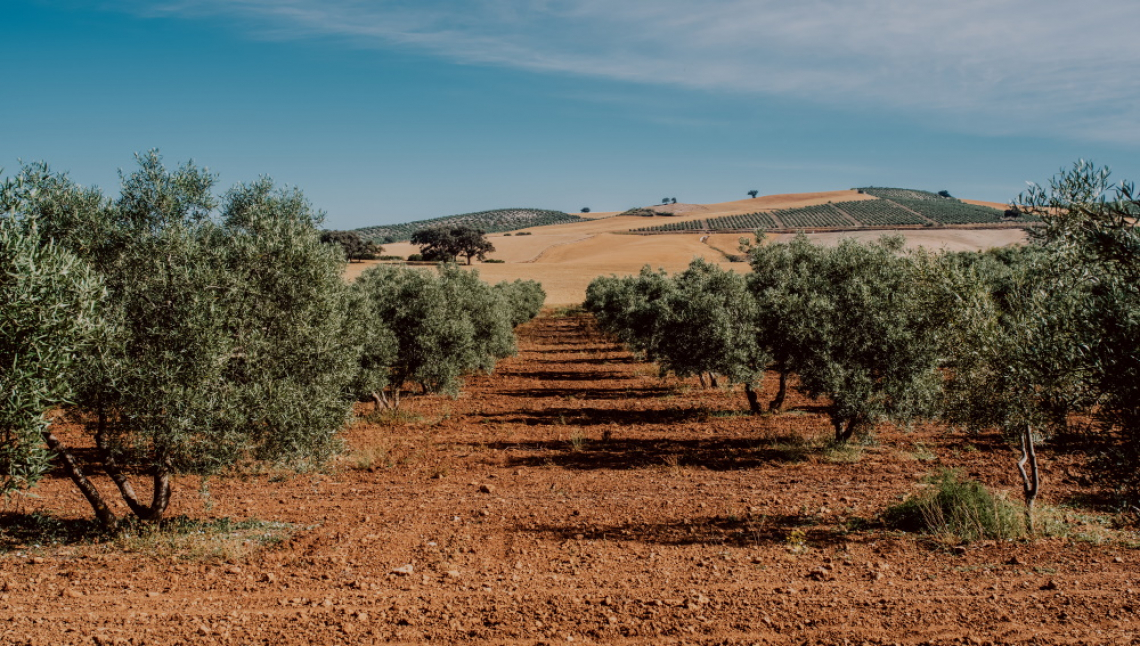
(1012, 67)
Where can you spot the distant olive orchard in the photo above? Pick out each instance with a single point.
(185, 332)
(1015, 339)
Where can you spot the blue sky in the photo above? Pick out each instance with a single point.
(395, 110)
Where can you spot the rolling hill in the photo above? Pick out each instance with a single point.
(567, 252)
(492, 221)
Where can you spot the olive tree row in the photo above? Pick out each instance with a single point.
(225, 332)
(1010, 339)
(432, 328)
(855, 322)
(698, 323)
(184, 332)
(1058, 330)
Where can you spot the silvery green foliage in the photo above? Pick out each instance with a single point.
(1012, 348)
(703, 321)
(629, 308)
(48, 316)
(1084, 305)
(708, 326)
(858, 322)
(525, 298)
(788, 288)
(228, 332)
(447, 324)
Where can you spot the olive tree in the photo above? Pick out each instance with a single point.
(857, 324)
(787, 287)
(48, 318)
(1010, 351)
(1083, 311)
(524, 297)
(708, 327)
(444, 325)
(629, 308)
(229, 333)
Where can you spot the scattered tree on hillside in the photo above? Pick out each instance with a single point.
(355, 247)
(585, 209)
(753, 193)
(945, 194)
(448, 244)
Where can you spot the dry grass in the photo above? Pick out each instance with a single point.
(566, 257)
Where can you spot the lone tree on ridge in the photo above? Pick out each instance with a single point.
(447, 244)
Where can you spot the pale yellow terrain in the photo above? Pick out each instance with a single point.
(933, 240)
(993, 205)
(566, 257)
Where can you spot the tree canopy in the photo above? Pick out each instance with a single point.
(447, 244)
(227, 332)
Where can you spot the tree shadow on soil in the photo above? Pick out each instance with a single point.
(606, 394)
(614, 454)
(796, 531)
(20, 531)
(561, 375)
(606, 416)
(593, 361)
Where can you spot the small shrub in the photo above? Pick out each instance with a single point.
(842, 452)
(524, 233)
(370, 457)
(961, 508)
(416, 257)
(577, 440)
(494, 261)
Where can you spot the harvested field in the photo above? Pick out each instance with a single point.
(565, 263)
(566, 257)
(933, 239)
(575, 497)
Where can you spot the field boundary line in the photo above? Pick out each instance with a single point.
(542, 253)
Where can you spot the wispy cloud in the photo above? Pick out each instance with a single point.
(993, 66)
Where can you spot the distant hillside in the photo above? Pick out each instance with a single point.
(489, 221)
(892, 207)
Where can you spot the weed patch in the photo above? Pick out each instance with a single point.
(222, 539)
(961, 509)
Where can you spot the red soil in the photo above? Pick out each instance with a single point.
(574, 497)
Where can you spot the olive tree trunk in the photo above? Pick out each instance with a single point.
(103, 513)
(753, 399)
(777, 404)
(1031, 478)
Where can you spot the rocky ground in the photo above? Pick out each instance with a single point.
(574, 497)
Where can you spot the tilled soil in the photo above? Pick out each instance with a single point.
(575, 497)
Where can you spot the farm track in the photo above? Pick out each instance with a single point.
(575, 497)
(544, 251)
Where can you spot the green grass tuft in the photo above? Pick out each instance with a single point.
(963, 509)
